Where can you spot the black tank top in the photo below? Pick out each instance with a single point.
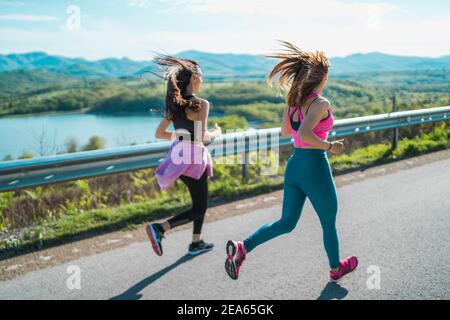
(181, 121)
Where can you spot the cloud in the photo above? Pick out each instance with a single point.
(369, 15)
(27, 18)
(6, 3)
(108, 40)
(370, 30)
(283, 8)
(140, 3)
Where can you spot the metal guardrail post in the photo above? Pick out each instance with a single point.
(395, 130)
(245, 166)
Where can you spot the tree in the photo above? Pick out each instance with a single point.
(44, 142)
(8, 157)
(95, 143)
(233, 122)
(26, 155)
(71, 145)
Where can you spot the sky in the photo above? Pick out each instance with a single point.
(134, 28)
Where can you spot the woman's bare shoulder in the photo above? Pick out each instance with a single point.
(320, 106)
(204, 109)
(202, 112)
(323, 102)
(204, 102)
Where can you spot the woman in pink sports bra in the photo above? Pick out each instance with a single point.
(308, 118)
(320, 130)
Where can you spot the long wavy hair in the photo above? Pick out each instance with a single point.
(178, 73)
(299, 72)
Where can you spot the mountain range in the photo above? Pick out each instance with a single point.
(215, 66)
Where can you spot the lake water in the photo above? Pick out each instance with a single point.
(48, 134)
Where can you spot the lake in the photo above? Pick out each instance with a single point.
(48, 134)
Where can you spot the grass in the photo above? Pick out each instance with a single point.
(225, 186)
(380, 153)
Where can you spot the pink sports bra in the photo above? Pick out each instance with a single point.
(321, 129)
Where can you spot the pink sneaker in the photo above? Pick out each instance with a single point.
(235, 258)
(345, 266)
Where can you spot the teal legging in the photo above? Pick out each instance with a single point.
(308, 174)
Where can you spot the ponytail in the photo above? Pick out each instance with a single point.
(299, 72)
(178, 73)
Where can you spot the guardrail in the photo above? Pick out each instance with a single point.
(20, 174)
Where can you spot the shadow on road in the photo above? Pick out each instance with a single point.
(333, 291)
(133, 292)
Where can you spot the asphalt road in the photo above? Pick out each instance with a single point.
(397, 224)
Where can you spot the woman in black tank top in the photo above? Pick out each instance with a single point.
(182, 107)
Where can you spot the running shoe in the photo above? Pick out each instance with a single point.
(345, 266)
(155, 234)
(235, 258)
(199, 247)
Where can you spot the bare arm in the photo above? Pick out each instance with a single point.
(208, 136)
(285, 124)
(162, 132)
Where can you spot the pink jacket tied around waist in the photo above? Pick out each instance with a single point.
(321, 129)
(184, 158)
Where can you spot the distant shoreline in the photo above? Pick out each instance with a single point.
(46, 113)
(81, 111)
(87, 111)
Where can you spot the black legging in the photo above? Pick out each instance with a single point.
(199, 194)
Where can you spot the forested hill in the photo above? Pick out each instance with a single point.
(215, 66)
(352, 95)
